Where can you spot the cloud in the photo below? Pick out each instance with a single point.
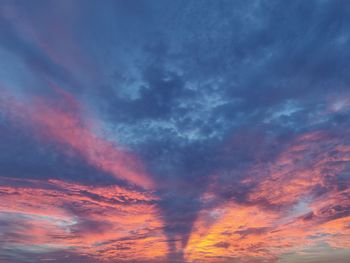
(298, 202)
(66, 128)
(234, 114)
(108, 223)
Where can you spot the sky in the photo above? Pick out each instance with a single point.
(187, 131)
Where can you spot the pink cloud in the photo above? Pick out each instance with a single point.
(50, 121)
(108, 223)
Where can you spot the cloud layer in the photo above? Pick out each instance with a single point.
(162, 131)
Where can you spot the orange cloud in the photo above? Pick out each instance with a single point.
(297, 203)
(109, 223)
(312, 161)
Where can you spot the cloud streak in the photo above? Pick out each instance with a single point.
(106, 223)
(67, 128)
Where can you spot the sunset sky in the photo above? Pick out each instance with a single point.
(174, 131)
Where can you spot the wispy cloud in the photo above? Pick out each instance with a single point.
(106, 223)
(52, 122)
(297, 202)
